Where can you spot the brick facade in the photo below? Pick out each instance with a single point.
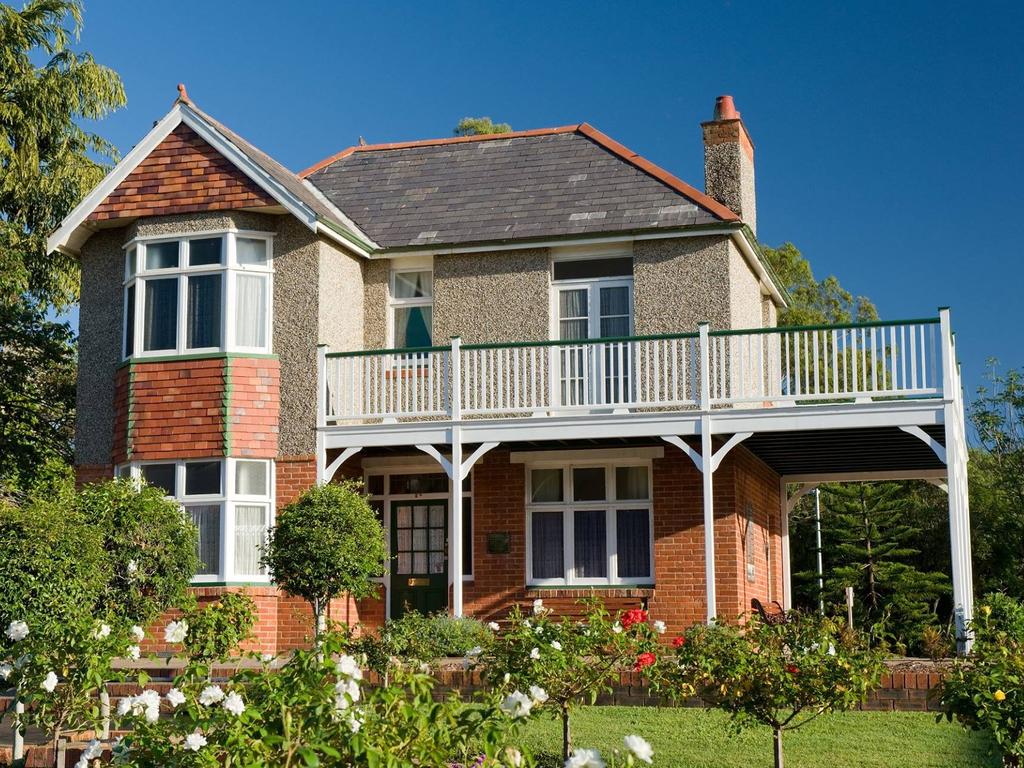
(254, 386)
(183, 174)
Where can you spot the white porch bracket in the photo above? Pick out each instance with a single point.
(473, 458)
(333, 467)
(683, 446)
(439, 458)
(798, 494)
(928, 440)
(732, 442)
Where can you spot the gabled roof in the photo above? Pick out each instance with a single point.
(554, 182)
(298, 197)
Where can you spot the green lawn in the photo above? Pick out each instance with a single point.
(693, 738)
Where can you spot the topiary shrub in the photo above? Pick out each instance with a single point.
(326, 544)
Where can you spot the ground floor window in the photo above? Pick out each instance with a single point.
(589, 524)
(230, 501)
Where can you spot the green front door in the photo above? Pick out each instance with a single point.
(419, 561)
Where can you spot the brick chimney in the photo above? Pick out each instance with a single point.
(729, 161)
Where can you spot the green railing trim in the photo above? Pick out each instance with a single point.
(197, 356)
(834, 327)
(401, 351)
(579, 342)
(648, 337)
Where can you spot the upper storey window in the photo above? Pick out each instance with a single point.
(207, 293)
(593, 298)
(412, 301)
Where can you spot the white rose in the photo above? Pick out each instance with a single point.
(538, 694)
(349, 667)
(556, 645)
(49, 682)
(514, 757)
(493, 626)
(123, 706)
(233, 703)
(17, 630)
(175, 698)
(538, 606)
(659, 627)
(211, 694)
(517, 704)
(5, 670)
(617, 628)
(133, 567)
(102, 631)
(355, 722)
(134, 652)
(507, 678)
(138, 633)
(535, 653)
(176, 631)
(640, 748)
(195, 741)
(585, 758)
(474, 651)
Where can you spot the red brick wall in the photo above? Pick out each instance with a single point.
(92, 473)
(177, 409)
(254, 406)
(294, 474)
(183, 174)
(122, 414)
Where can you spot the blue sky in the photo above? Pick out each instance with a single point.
(888, 135)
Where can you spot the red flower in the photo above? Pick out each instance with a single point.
(644, 660)
(633, 616)
(679, 642)
(792, 669)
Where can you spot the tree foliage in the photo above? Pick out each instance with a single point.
(782, 676)
(48, 160)
(480, 126)
(327, 543)
(814, 302)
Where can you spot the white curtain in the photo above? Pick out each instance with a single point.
(207, 519)
(251, 313)
(250, 535)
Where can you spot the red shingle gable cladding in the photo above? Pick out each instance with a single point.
(183, 174)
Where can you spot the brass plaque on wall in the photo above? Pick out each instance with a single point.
(418, 582)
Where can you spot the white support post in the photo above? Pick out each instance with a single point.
(956, 473)
(708, 472)
(321, 412)
(455, 403)
(787, 576)
(455, 540)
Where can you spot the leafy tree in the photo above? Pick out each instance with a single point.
(150, 547)
(552, 665)
(870, 540)
(215, 630)
(996, 482)
(480, 126)
(814, 302)
(783, 676)
(327, 543)
(984, 691)
(48, 160)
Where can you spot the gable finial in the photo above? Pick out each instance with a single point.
(183, 94)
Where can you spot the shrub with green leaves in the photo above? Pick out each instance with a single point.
(781, 675)
(551, 664)
(326, 544)
(217, 629)
(419, 637)
(150, 545)
(985, 691)
(314, 710)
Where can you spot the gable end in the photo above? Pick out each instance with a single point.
(183, 174)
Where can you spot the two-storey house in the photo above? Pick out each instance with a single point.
(554, 364)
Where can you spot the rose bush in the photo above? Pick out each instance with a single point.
(985, 691)
(781, 675)
(543, 663)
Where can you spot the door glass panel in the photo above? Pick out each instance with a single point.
(404, 563)
(437, 517)
(437, 562)
(404, 539)
(419, 562)
(573, 314)
(404, 517)
(419, 538)
(420, 517)
(436, 539)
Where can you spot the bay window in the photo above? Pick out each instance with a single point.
(206, 293)
(230, 503)
(589, 524)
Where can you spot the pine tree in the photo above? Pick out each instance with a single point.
(869, 539)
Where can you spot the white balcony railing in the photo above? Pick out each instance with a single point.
(762, 367)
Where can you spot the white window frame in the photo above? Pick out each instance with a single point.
(227, 499)
(593, 286)
(230, 269)
(568, 507)
(395, 303)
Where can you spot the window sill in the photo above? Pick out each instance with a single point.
(581, 590)
(173, 357)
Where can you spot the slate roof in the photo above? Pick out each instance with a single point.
(534, 184)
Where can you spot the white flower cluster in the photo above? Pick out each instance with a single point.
(640, 748)
(493, 626)
(102, 632)
(347, 688)
(92, 750)
(49, 683)
(5, 670)
(195, 741)
(138, 633)
(211, 695)
(17, 631)
(176, 631)
(146, 704)
(518, 704)
(637, 746)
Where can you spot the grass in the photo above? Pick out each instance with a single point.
(693, 738)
